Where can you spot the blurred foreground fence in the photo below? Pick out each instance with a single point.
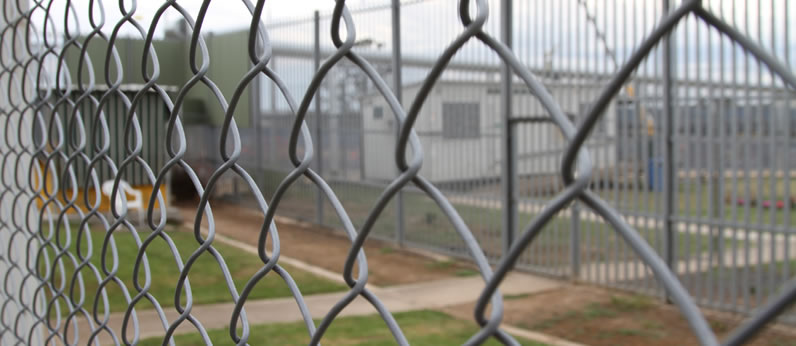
(635, 144)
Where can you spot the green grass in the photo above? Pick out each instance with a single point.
(595, 310)
(555, 320)
(466, 272)
(693, 196)
(387, 250)
(779, 266)
(616, 306)
(516, 296)
(776, 266)
(206, 278)
(425, 223)
(420, 327)
(440, 265)
(691, 199)
(630, 303)
(450, 263)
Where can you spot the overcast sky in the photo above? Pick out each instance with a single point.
(226, 15)
(559, 31)
(431, 25)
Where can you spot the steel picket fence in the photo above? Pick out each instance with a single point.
(61, 139)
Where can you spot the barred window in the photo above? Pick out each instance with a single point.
(461, 120)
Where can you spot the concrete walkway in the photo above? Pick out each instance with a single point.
(429, 295)
(419, 296)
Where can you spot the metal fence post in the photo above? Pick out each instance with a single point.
(272, 127)
(668, 162)
(397, 90)
(508, 173)
(316, 55)
(574, 245)
(256, 120)
(668, 154)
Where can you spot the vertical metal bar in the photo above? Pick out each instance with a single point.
(772, 180)
(609, 189)
(735, 166)
(759, 118)
(316, 55)
(713, 159)
(117, 141)
(575, 241)
(397, 90)
(272, 124)
(698, 140)
(747, 137)
(684, 136)
(145, 117)
(509, 170)
(256, 114)
(574, 233)
(668, 155)
(272, 89)
(623, 139)
(552, 229)
(634, 133)
(723, 111)
(786, 154)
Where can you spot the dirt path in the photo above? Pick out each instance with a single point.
(597, 316)
(328, 249)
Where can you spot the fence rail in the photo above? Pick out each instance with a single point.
(634, 144)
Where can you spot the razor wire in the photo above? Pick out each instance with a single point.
(46, 138)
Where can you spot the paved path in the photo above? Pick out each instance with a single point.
(430, 295)
(427, 295)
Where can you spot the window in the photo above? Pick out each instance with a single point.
(461, 120)
(378, 112)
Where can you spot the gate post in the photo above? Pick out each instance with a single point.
(668, 155)
(508, 174)
(398, 91)
(574, 239)
(318, 121)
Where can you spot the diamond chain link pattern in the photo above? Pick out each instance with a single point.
(47, 138)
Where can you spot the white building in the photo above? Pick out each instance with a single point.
(460, 129)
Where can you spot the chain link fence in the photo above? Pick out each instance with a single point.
(726, 221)
(635, 144)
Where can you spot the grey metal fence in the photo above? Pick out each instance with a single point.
(642, 145)
(730, 154)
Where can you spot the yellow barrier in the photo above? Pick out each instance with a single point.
(105, 203)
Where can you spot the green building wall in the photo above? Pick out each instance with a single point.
(228, 65)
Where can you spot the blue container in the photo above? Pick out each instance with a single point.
(655, 174)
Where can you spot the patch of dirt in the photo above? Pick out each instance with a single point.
(596, 316)
(326, 248)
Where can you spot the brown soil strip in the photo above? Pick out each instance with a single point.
(597, 316)
(326, 248)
